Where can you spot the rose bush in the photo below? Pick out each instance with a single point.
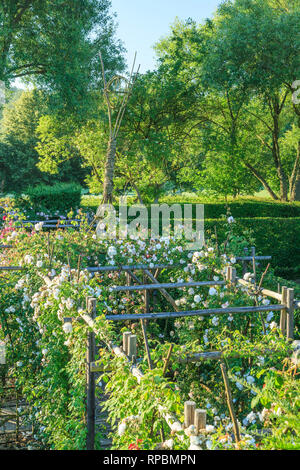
(46, 354)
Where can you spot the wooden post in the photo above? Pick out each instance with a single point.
(132, 347)
(167, 360)
(253, 263)
(189, 413)
(283, 314)
(290, 314)
(143, 325)
(227, 274)
(230, 404)
(200, 420)
(146, 344)
(245, 262)
(126, 336)
(128, 281)
(90, 379)
(232, 276)
(17, 417)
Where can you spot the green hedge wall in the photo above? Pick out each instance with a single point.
(252, 209)
(238, 209)
(275, 227)
(277, 237)
(60, 197)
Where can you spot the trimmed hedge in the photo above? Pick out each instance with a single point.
(60, 197)
(252, 209)
(277, 237)
(215, 210)
(275, 227)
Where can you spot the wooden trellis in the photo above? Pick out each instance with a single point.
(129, 348)
(128, 351)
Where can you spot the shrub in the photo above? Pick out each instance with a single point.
(60, 197)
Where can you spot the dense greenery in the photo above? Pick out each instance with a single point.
(216, 122)
(216, 114)
(46, 356)
(217, 209)
(58, 198)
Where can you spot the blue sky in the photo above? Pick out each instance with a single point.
(141, 23)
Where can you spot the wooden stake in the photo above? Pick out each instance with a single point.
(245, 262)
(167, 360)
(162, 291)
(128, 282)
(290, 314)
(200, 420)
(146, 344)
(189, 412)
(90, 379)
(283, 314)
(232, 276)
(126, 336)
(254, 263)
(230, 404)
(143, 325)
(132, 350)
(78, 267)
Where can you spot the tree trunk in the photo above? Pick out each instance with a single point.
(283, 179)
(295, 194)
(108, 186)
(139, 196)
(262, 180)
(295, 178)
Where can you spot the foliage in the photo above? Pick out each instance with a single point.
(46, 356)
(18, 141)
(276, 237)
(60, 197)
(63, 58)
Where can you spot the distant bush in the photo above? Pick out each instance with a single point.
(60, 197)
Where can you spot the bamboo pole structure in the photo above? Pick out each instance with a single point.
(195, 313)
(167, 285)
(217, 355)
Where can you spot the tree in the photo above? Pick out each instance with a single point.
(55, 44)
(256, 49)
(152, 140)
(118, 85)
(216, 112)
(19, 157)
